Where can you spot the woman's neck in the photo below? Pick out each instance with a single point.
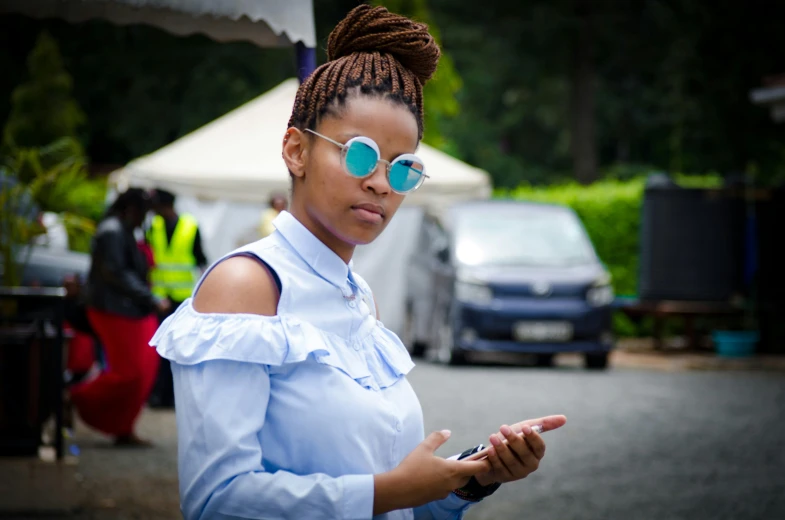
(340, 247)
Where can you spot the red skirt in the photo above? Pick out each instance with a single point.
(112, 401)
(81, 353)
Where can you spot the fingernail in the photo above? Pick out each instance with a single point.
(527, 429)
(446, 433)
(505, 430)
(495, 440)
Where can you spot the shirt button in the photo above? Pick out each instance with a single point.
(352, 305)
(356, 346)
(399, 426)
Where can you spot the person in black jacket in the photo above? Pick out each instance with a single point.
(122, 311)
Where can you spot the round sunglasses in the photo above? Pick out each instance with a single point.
(360, 155)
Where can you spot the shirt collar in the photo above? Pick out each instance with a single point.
(321, 258)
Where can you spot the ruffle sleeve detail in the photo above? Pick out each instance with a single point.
(387, 356)
(377, 359)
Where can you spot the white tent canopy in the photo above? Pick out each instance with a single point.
(238, 157)
(266, 23)
(225, 172)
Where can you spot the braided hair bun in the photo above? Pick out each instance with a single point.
(377, 30)
(371, 52)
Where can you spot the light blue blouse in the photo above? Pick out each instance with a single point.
(290, 416)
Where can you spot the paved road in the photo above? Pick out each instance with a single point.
(638, 445)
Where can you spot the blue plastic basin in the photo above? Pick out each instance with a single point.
(735, 343)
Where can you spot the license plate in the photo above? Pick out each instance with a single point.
(543, 331)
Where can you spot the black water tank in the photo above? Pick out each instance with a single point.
(691, 243)
(770, 279)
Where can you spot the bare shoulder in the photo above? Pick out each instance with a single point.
(238, 285)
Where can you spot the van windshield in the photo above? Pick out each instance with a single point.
(521, 235)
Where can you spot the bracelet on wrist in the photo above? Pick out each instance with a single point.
(473, 491)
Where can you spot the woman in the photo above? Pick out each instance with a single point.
(292, 399)
(120, 310)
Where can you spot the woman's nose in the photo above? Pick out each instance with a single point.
(377, 180)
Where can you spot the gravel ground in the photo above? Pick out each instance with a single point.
(638, 445)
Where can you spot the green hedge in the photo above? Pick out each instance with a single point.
(611, 212)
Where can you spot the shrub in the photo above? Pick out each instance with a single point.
(56, 179)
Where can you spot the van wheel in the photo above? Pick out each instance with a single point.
(544, 360)
(448, 353)
(597, 361)
(415, 348)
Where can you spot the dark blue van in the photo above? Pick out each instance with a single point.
(508, 276)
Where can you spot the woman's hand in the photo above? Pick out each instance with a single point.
(163, 305)
(520, 455)
(423, 477)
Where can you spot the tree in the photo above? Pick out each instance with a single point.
(43, 109)
(583, 141)
(440, 92)
(657, 82)
(668, 88)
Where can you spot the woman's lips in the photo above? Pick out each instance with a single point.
(368, 215)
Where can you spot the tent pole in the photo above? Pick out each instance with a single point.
(306, 60)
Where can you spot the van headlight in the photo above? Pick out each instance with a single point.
(473, 293)
(600, 296)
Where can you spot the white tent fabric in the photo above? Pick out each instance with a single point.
(225, 172)
(267, 23)
(238, 157)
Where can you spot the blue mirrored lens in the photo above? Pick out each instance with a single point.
(360, 159)
(405, 175)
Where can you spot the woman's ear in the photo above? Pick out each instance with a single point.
(295, 151)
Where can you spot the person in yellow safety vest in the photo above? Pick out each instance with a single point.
(178, 261)
(278, 204)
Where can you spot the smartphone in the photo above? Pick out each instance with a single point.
(482, 453)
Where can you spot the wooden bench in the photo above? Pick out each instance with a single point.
(661, 310)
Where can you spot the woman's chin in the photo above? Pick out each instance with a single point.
(362, 235)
